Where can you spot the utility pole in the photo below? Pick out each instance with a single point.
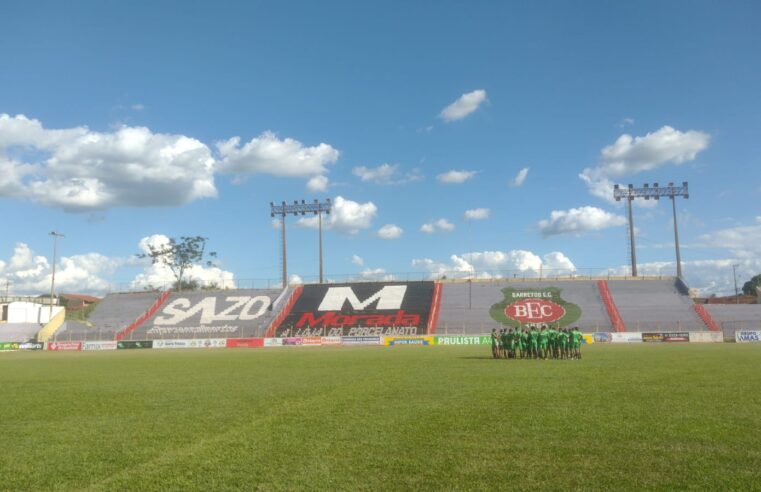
(55, 235)
(734, 274)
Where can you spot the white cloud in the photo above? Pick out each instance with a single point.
(519, 178)
(741, 241)
(477, 214)
(578, 221)
(390, 231)
(376, 274)
(78, 169)
(357, 260)
(268, 154)
(463, 106)
(631, 155)
(28, 273)
(386, 174)
(440, 225)
(347, 216)
(455, 177)
(295, 280)
(625, 122)
(137, 107)
(317, 184)
(495, 264)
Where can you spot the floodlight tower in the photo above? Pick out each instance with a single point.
(655, 192)
(297, 208)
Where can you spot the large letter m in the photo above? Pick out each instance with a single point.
(389, 297)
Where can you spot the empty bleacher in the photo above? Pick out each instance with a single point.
(733, 317)
(18, 332)
(654, 305)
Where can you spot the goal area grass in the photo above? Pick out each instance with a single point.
(660, 416)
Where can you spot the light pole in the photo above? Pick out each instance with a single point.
(302, 208)
(55, 235)
(734, 274)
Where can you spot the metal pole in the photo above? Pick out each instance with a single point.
(676, 240)
(282, 231)
(734, 274)
(319, 214)
(52, 278)
(631, 238)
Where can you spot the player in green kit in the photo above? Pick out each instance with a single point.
(543, 340)
(566, 344)
(503, 340)
(534, 341)
(576, 338)
(510, 344)
(551, 338)
(494, 343)
(524, 344)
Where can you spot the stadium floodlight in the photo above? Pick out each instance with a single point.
(303, 208)
(55, 235)
(655, 192)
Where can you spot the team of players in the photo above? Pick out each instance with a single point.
(546, 343)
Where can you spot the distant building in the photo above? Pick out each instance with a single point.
(76, 302)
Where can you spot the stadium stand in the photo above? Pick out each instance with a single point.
(18, 332)
(209, 314)
(112, 314)
(655, 305)
(731, 317)
(465, 305)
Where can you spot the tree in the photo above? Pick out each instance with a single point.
(179, 256)
(749, 287)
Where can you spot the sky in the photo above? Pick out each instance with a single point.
(453, 138)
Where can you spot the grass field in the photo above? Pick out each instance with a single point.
(625, 417)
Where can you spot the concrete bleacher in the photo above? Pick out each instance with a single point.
(18, 332)
(733, 317)
(654, 305)
(112, 314)
(465, 306)
(240, 313)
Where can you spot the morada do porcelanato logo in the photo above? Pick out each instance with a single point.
(522, 307)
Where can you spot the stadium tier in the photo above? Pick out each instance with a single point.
(480, 306)
(111, 315)
(733, 317)
(208, 314)
(654, 305)
(18, 332)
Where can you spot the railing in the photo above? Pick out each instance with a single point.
(706, 317)
(284, 312)
(140, 320)
(610, 306)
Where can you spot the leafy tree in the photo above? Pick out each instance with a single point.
(179, 256)
(749, 288)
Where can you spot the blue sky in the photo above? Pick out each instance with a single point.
(119, 122)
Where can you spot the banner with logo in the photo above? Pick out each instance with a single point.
(190, 343)
(527, 306)
(245, 342)
(273, 342)
(395, 341)
(463, 340)
(706, 337)
(331, 341)
(64, 345)
(360, 310)
(134, 344)
(652, 337)
(311, 341)
(748, 336)
(98, 345)
(676, 336)
(587, 338)
(9, 346)
(360, 340)
(602, 337)
(626, 337)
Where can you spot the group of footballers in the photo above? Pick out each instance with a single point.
(544, 343)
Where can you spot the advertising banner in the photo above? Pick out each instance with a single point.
(652, 337)
(394, 341)
(106, 345)
(706, 337)
(273, 342)
(312, 341)
(602, 337)
(331, 341)
(9, 346)
(676, 336)
(65, 346)
(360, 340)
(190, 343)
(291, 341)
(131, 344)
(748, 336)
(587, 338)
(463, 340)
(245, 342)
(360, 310)
(626, 337)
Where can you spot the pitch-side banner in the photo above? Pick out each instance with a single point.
(360, 310)
(97, 345)
(191, 343)
(626, 337)
(396, 341)
(463, 340)
(748, 336)
(706, 337)
(65, 346)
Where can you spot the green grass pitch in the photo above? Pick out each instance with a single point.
(625, 417)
